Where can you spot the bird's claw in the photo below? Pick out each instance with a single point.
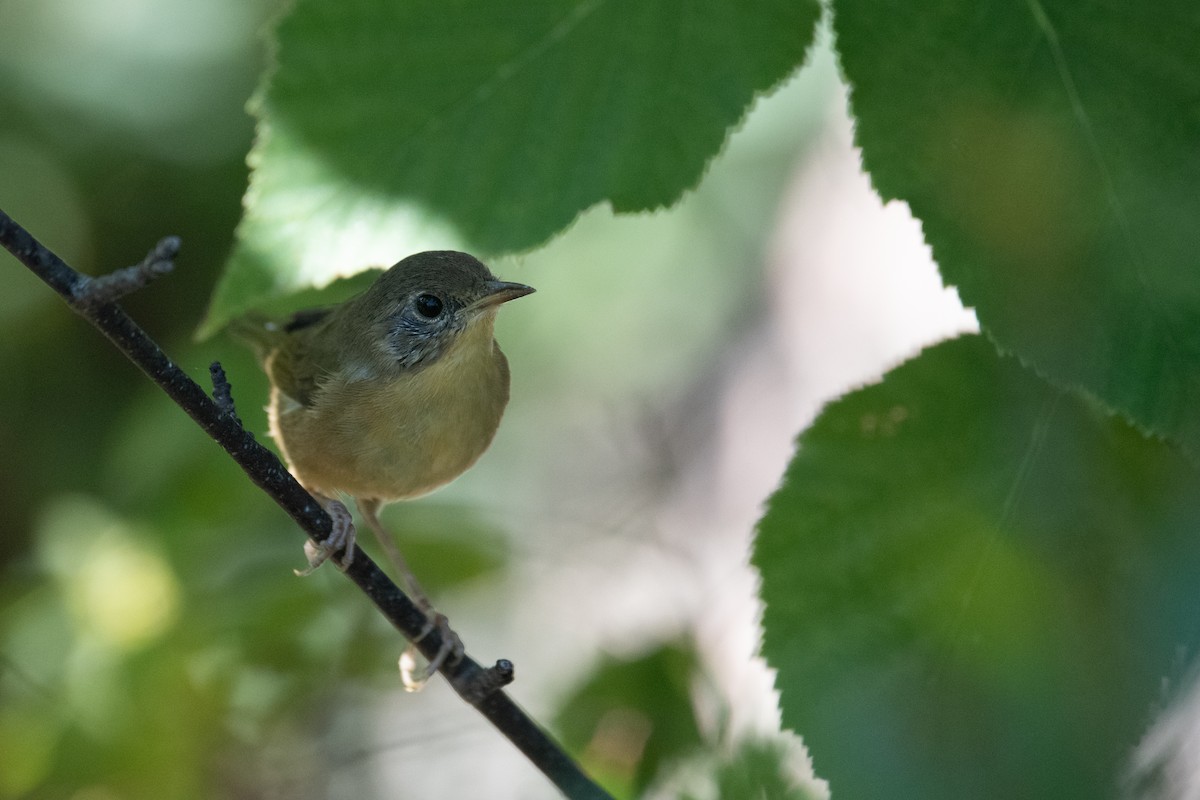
(340, 539)
(451, 651)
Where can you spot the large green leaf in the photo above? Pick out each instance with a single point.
(1051, 148)
(388, 127)
(977, 585)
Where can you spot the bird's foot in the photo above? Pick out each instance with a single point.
(340, 539)
(451, 651)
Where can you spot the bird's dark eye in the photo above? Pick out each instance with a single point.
(428, 305)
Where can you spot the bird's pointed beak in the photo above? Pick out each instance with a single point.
(498, 292)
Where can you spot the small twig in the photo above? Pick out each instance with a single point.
(92, 292)
(93, 299)
(489, 681)
(222, 391)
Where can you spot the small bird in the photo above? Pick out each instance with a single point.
(388, 396)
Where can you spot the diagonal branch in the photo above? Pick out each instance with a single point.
(94, 299)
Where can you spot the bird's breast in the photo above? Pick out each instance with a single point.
(402, 436)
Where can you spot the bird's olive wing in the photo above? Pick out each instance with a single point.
(303, 360)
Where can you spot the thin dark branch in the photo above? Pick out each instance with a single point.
(94, 300)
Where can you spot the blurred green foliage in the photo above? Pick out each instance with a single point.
(976, 577)
(153, 642)
(608, 719)
(761, 769)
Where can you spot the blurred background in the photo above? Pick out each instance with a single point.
(153, 639)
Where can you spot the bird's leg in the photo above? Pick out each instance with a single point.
(452, 646)
(370, 513)
(340, 538)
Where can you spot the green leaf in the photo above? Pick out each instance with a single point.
(390, 127)
(1049, 148)
(763, 768)
(976, 584)
(631, 717)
